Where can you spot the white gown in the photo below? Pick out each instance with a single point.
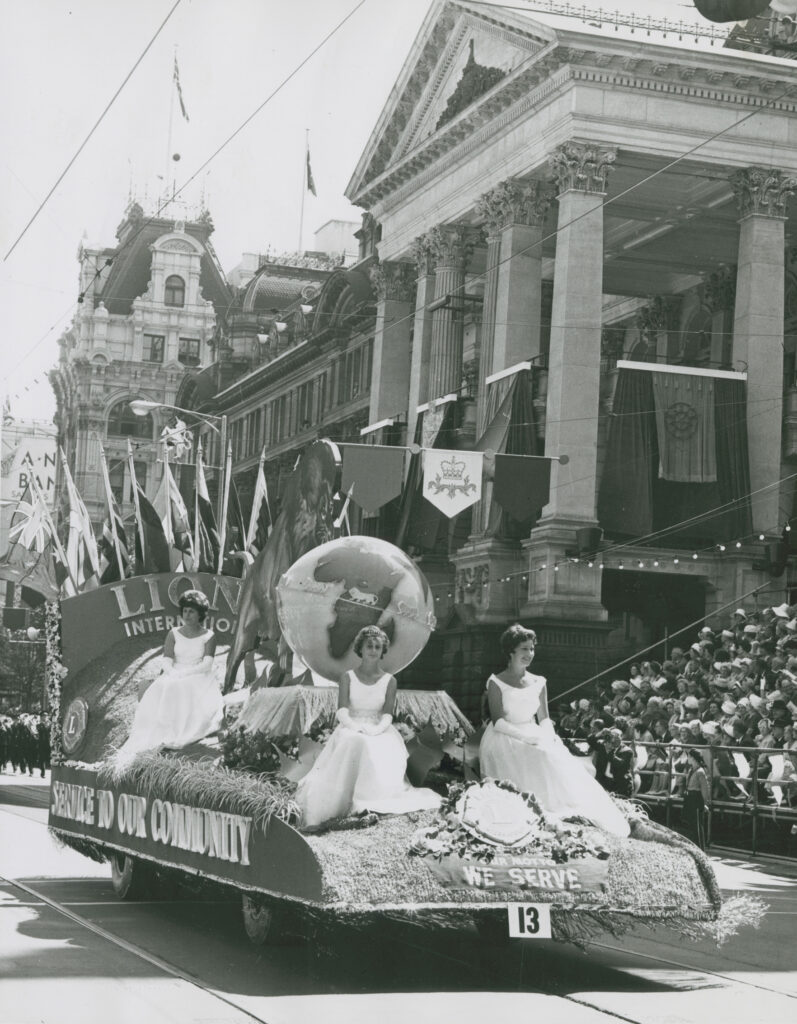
(561, 785)
(181, 706)
(355, 772)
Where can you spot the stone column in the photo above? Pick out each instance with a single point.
(758, 328)
(574, 592)
(422, 332)
(488, 323)
(518, 308)
(575, 349)
(451, 245)
(394, 284)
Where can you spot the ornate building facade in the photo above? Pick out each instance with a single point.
(148, 312)
(574, 207)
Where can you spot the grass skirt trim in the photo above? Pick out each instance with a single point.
(209, 785)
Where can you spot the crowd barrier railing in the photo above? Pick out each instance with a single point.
(752, 782)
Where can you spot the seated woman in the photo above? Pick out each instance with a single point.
(520, 745)
(184, 703)
(362, 765)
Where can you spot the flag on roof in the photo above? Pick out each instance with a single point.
(176, 77)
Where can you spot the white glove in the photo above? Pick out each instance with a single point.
(381, 726)
(344, 717)
(524, 732)
(206, 664)
(168, 663)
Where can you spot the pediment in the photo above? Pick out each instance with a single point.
(462, 54)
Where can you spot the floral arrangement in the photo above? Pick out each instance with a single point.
(254, 751)
(457, 833)
(56, 672)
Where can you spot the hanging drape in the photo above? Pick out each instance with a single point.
(625, 502)
(634, 501)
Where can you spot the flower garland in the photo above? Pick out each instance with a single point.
(56, 672)
(548, 837)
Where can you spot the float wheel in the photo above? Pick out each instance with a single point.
(261, 921)
(128, 876)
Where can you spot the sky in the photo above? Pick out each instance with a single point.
(61, 62)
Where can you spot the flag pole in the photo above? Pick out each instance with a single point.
(168, 176)
(111, 517)
(197, 469)
(136, 503)
(223, 525)
(300, 250)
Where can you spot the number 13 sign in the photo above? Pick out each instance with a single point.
(529, 920)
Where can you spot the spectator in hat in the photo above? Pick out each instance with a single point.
(696, 797)
(621, 764)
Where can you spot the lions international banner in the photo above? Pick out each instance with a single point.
(452, 481)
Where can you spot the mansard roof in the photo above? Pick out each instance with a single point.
(131, 269)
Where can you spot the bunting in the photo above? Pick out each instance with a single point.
(452, 480)
(521, 484)
(378, 472)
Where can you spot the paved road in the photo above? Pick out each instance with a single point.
(187, 959)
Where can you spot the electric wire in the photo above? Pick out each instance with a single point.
(93, 129)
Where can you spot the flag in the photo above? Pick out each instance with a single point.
(176, 77)
(260, 517)
(107, 546)
(152, 548)
(206, 535)
(112, 545)
(29, 558)
(174, 519)
(236, 528)
(521, 484)
(310, 181)
(82, 555)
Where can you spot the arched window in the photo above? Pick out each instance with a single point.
(174, 292)
(123, 422)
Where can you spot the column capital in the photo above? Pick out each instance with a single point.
(762, 191)
(422, 256)
(582, 167)
(393, 280)
(452, 244)
(515, 202)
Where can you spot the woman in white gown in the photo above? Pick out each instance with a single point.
(362, 765)
(520, 745)
(184, 703)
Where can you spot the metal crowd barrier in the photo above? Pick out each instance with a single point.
(754, 795)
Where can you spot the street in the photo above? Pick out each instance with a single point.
(70, 951)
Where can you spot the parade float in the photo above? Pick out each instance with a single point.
(224, 809)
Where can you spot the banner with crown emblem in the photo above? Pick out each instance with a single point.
(452, 480)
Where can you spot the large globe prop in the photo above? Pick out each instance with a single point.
(330, 593)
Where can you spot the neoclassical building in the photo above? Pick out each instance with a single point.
(590, 220)
(147, 314)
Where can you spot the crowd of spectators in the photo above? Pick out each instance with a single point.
(24, 743)
(732, 695)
